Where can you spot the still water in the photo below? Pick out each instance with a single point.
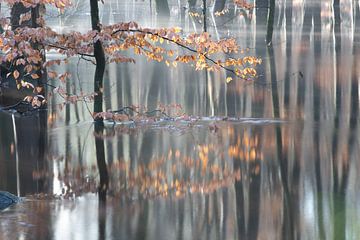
(277, 158)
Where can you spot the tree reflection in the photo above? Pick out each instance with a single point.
(101, 162)
(104, 177)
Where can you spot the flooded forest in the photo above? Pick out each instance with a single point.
(274, 157)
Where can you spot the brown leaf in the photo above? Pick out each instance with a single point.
(16, 74)
(34, 76)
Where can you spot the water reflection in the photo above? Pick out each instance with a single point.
(241, 181)
(289, 179)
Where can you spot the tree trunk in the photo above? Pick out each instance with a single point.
(162, 8)
(192, 4)
(1, 29)
(16, 11)
(270, 22)
(100, 59)
(204, 15)
(219, 5)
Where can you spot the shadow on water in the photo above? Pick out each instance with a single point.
(278, 161)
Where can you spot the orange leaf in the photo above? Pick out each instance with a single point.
(34, 76)
(228, 79)
(16, 74)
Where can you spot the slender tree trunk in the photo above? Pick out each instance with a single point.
(270, 22)
(1, 29)
(192, 3)
(41, 72)
(16, 11)
(204, 14)
(219, 5)
(100, 59)
(162, 8)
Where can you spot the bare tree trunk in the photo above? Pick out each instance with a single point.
(219, 5)
(16, 11)
(1, 29)
(162, 8)
(270, 22)
(100, 59)
(204, 15)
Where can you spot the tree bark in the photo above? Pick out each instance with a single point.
(204, 15)
(162, 8)
(270, 22)
(192, 4)
(1, 29)
(99, 58)
(219, 5)
(16, 11)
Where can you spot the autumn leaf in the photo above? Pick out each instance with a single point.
(52, 74)
(34, 76)
(20, 61)
(228, 79)
(177, 30)
(16, 74)
(38, 89)
(60, 4)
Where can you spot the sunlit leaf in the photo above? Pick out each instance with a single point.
(228, 79)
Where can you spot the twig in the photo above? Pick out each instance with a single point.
(67, 48)
(180, 45)
(14, 105)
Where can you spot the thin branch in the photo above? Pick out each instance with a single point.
(125, 109)
(179, 44)
(65, 49)
(14, 105)
(88, 60)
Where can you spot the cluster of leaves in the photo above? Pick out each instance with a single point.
(140, 114)
(221, 13)
(17, 47)
(60, 4)
(24, 48)
(196, 49)
(244, 4)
